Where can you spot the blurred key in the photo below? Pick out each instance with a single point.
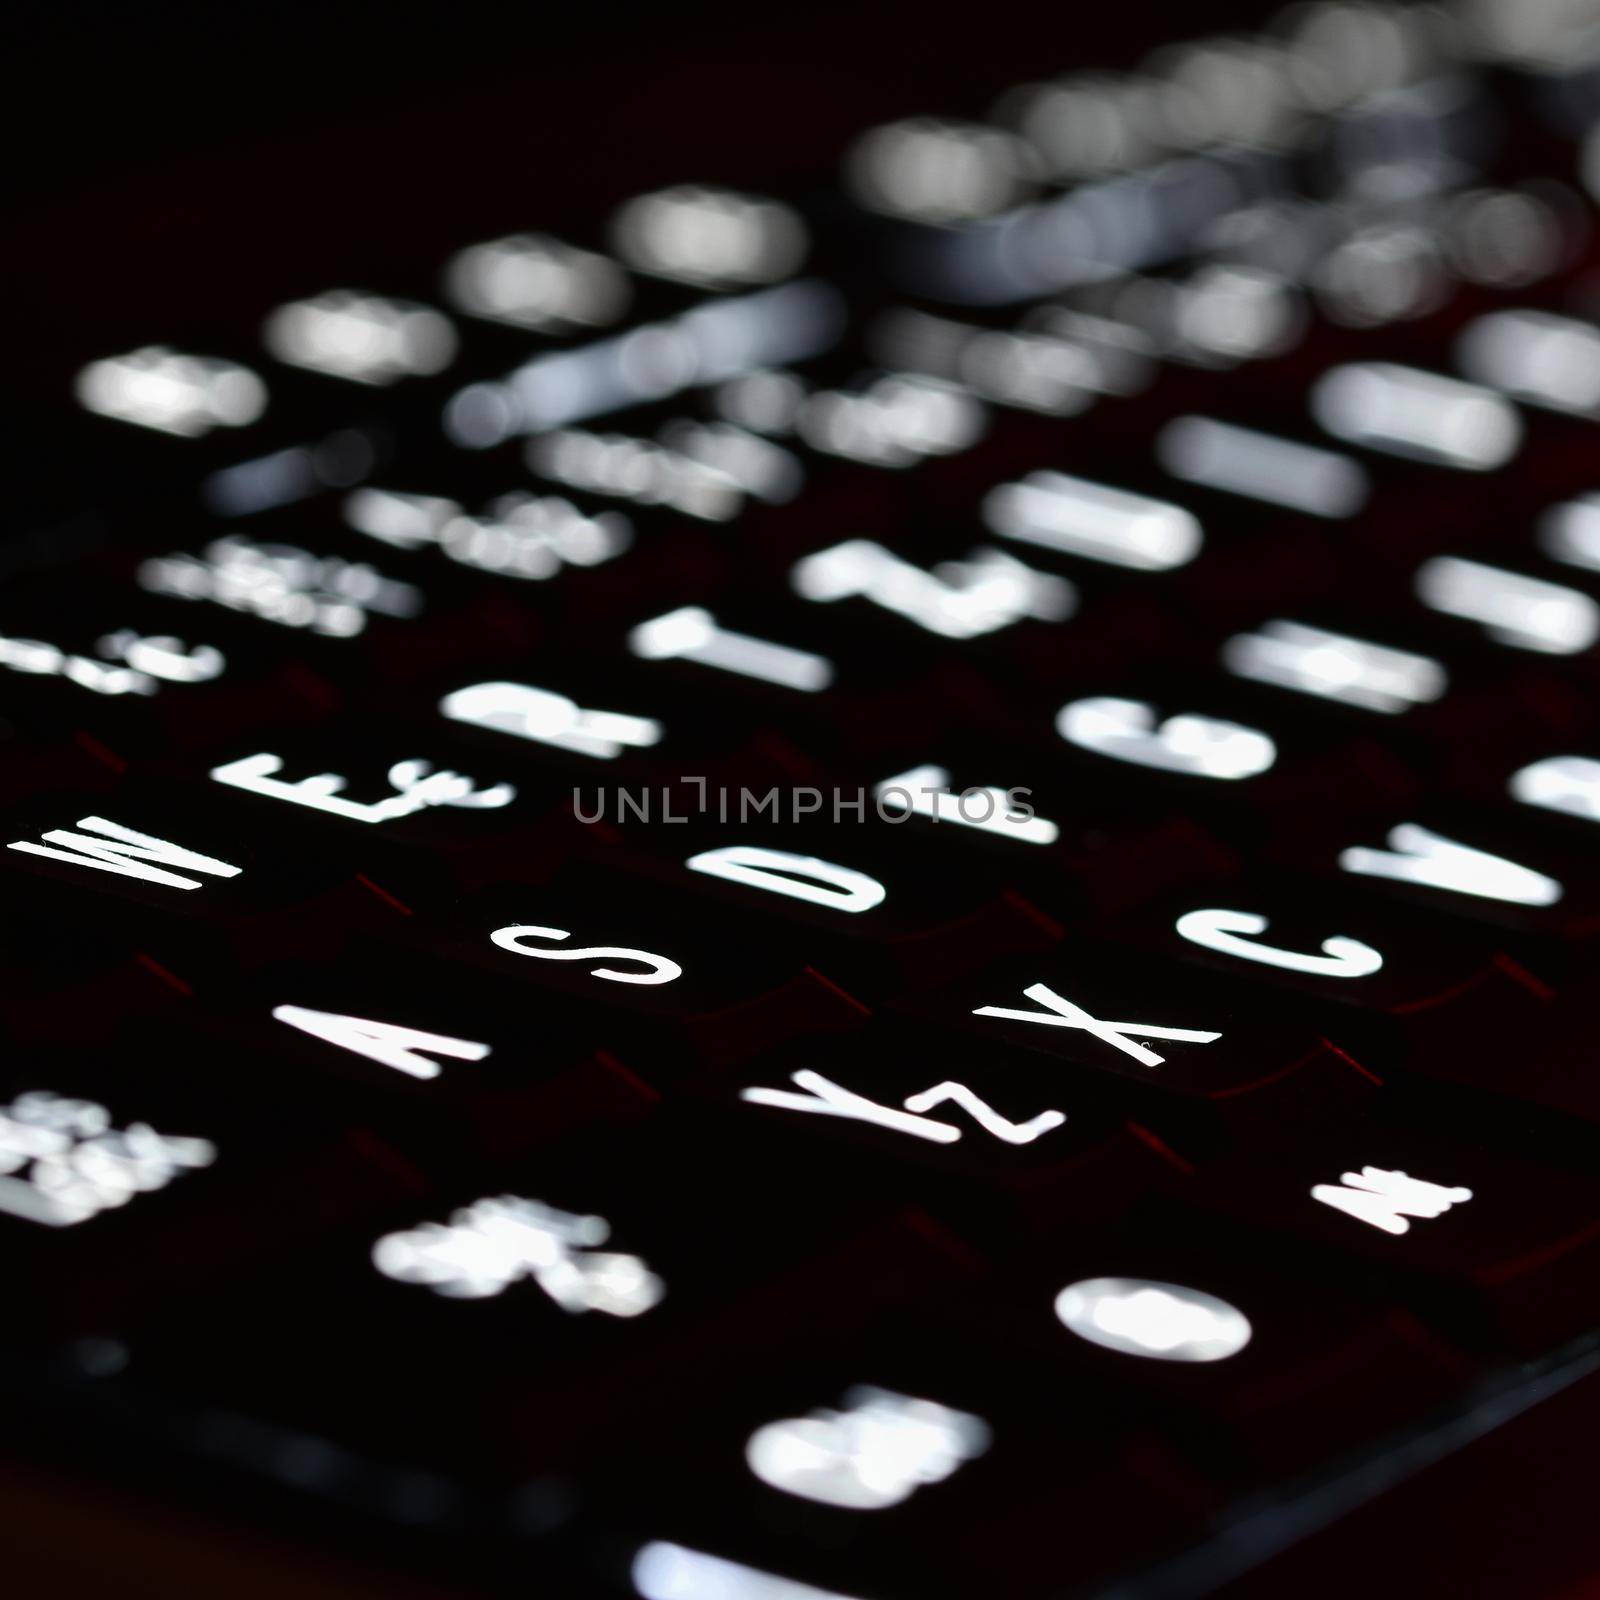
(128, 1201)
(1177, 1318)
(895, 1460)
(1406, 412)
(490, 1328)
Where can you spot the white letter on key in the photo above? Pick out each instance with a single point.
(1335, 666)
(985, 1115)
(1095, 521)
(1204, 747)
(1560, 783)
(1064, 1014)
(1220, 930)
(818, 882)
(661, 970)
(693, 634)
(385, 1042)
(925, 793)
(529, 713)
(1525, 613)
(1418, 855)
(162, 656)
(957, 600)
(828, 1099)
(665, 1571)
(124, 855)
(418, 788)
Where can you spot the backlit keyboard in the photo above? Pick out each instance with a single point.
(885, 891)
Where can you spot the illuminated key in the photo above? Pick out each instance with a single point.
(957, 600)
(62, 1163)
(159, 388)
(128, 853)
(712, 237)
(1419, 855)
(416, 783)
(1222, 315)
(1085, 125)
(364, 338)
(1233, 933)
(665, 1571)
(1534, 356)
(1560, 783)
(939, 171)
(1525, 613)
(1218, 455)
(1388, 1200)
(1031, 370)
(283, 584)
(1403, 411)
(537, 714)
(637, 470)
(875, 1453)
(1204, 747)
(895, 422)
(488, 1246)
(520, 535)
(922, 791)
(533, 281)
(1335, 667)
(708, 344)
(148, 663)
(1086, 519)
(759, 467)
(762, 402)
(691, 633)
(1571, 532)
(1160, 1321)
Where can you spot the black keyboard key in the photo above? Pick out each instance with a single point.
(539, 1296)
(1168, 1036)
(127, 1200)
(891, 1464)
(1494, 1242)
(994, 1141)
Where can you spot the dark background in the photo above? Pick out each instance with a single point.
(186, 161)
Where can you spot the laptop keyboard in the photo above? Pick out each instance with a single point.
(885, 892)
